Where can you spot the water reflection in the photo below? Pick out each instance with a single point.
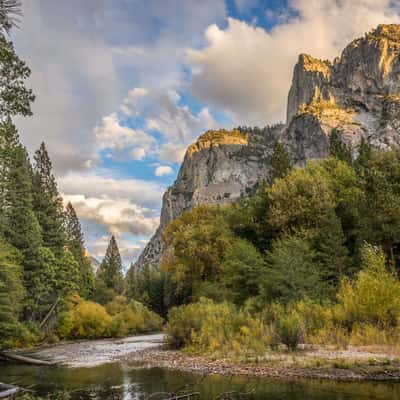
(131, 382)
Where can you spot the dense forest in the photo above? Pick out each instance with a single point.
(313, 255)
(47, 286)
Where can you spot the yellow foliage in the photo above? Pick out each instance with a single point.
(88, 320)
(208, 327)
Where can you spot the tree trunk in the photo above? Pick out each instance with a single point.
(23, 359)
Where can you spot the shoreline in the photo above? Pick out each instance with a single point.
(378, 363)
(338, 367)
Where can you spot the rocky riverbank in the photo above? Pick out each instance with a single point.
(317, 363)
(89, 353)
(149, 351)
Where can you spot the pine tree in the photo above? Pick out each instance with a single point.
(109, 279)
(69, 276)
(364, 155)
(11, 292)
(20, 225)
(15, 98)
(22, 229)
(75, 244)
(338, 149)
(331, 253)
(280, 164)
(47, 202)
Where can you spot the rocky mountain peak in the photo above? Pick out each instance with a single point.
(358, 96)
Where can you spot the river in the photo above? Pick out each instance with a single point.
(105, 376)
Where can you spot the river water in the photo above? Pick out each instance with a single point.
(118, 379)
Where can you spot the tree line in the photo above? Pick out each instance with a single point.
(321, 242)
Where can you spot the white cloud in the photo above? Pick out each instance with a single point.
(246, 71)
(138, 153)
(122, 140)
(162, 170)
(172, 152)
(144, 193)
(119, 216)
(130, 103)
(93, 50)
(163, 113)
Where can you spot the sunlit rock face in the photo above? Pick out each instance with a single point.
(358, 95)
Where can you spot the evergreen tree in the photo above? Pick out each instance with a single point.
(338, 149)
(15, 98)
(242, 268)
(75, 244)
(280, 164)
(331, 253)
(109, 279)
(41, 282)
(11, 292)
(47, 202)
(69, 276)
(364, 155)
(292, 271)
(22, 229)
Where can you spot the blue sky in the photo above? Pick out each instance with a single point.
(124, 86)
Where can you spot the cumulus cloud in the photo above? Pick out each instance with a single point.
(172, 152)
(119, 216)
(143, 193)
(163, 113)
(176, 122)
(162, 170)
(122, 140)
(246, 71)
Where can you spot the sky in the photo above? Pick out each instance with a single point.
(124, 86)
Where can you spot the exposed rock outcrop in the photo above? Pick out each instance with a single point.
(358, 95)
(219, 168)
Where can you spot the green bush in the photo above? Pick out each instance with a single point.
(289, 330)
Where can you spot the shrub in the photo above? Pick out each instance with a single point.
(374, 297)
(331, 334)
(289, 330)
(313, 315)
(85, 319)
(208, 327)
(367, 334)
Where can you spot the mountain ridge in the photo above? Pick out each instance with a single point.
(357, 95)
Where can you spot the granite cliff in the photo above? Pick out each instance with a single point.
(358, 95)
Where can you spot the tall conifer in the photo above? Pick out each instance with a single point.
(280, 164)
(75, 244)
(47, 202)
(109, 279)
